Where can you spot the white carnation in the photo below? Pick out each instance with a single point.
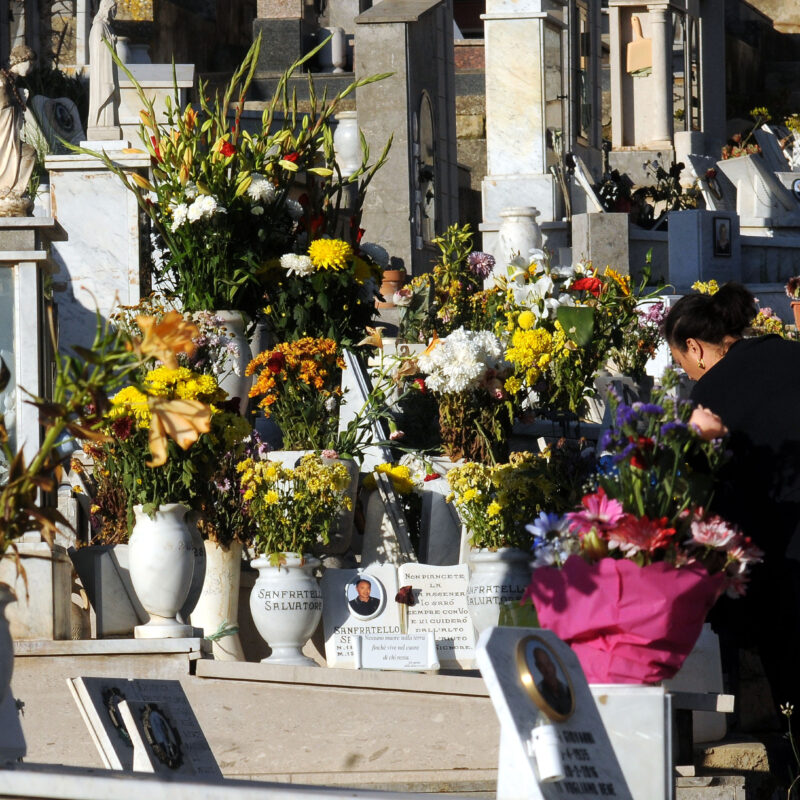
(179, 215)
(204, 207)
(297, 265)
(260, 189)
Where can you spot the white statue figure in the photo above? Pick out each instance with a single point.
(17, 159)
(103, 78)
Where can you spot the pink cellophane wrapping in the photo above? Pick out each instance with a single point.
(626, 623)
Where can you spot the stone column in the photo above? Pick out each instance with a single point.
(661, 78)
(83, 21)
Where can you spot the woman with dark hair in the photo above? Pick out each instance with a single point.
(751, 386)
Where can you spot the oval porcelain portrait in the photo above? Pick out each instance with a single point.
(365, 596)
(545, 679)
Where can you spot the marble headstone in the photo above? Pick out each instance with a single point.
(440, 529)
(719, 193)
(510, 666)
(441, 608)
(342, 622)
(58, 119)
(100, 701)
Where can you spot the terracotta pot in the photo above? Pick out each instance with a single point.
(393, 279)
(796, 312)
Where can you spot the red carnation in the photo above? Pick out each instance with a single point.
(276, 362)
(593, 285)
(421, 385)
(227, 149)
(291, 157)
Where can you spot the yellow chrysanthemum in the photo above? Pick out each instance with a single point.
(494, 508)
(526, 320)
(330, 254)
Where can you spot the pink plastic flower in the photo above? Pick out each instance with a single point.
(600, 513)
(640, 534)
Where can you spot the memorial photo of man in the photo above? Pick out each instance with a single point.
(364, 604)
(554, 692)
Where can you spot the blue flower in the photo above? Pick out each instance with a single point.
(547, 526)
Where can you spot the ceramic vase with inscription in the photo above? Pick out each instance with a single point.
(234, 381)
(218, 604)
(495, 577)
(6, 644)
(161, 563)
(286, 606)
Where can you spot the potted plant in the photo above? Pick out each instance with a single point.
(628, 578)
(495, 503)
(293, 510)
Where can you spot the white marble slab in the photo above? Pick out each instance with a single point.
(341, 623)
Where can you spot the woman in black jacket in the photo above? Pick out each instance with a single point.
(752, 387)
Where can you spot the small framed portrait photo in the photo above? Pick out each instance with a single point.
(545, 679)
(366, 596)
(722, 236)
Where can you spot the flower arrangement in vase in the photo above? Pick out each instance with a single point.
(222, 199)
(466, 373)
(293, 511)
(647, 536)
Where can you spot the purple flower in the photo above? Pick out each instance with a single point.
(626, 416)
(654, 315)
(672, 425)
(480, 264)
(648, 408)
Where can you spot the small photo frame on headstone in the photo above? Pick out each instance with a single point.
(722, 237)
(545, 679)
(366, 596)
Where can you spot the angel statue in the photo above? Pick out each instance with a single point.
(17, 159)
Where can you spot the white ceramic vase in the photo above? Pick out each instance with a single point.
(347, 142)
(333, 55)
(233, 380)
(161, 563)
(218, 604)
(495, 577)
(286, 606)
(518, 234)
(6, 644)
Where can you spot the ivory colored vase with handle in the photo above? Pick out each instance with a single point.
(286, 605)
(495, 577)
(161, 563)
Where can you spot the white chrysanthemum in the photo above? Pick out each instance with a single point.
(461, 361)
(179, 215)
(260, 189)
(204, 207)
(375, 252)
(190, 190)
(294, 208)
(297, 265)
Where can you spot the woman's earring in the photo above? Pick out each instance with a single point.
(701, 364)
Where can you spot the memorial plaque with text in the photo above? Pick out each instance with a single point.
(441, 608)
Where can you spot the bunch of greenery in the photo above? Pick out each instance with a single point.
(221, 198)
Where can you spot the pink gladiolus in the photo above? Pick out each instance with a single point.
(600, 513)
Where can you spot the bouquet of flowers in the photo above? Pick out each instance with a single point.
(136, 425)
(299, 386)
(222, 200)
(629, 577)
(496, 502)
(328, 292)
(451, 295)
(466, 372)
(792, 287)
(293, 509)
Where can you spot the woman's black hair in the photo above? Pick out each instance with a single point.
(710, 317)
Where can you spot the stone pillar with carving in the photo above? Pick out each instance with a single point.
(660, 111)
